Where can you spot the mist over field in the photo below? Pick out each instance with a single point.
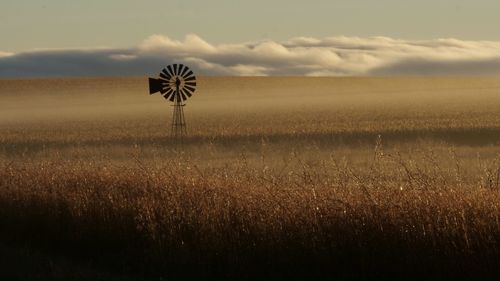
(113, 118)
(355, 100)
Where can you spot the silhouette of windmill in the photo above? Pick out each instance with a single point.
(176, 83)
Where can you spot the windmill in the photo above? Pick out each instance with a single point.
(176, 84)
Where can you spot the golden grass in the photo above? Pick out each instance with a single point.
(396, 212)
(357, 177)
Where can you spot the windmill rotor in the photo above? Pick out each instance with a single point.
(175, 82)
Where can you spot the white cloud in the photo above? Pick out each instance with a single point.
(192, 44)
(296, 56)
(122, 57)
(5, 54)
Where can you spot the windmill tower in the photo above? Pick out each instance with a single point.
(176, 84)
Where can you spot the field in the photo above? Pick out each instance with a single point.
(279, 178)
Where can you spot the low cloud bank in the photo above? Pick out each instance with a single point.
(297, 56)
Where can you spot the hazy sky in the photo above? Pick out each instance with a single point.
(260, 37)
(28, 24)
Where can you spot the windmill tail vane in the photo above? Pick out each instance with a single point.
(176, 83)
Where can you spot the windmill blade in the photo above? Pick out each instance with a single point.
(183, 96)
(185, 70)
(175, 69)
(167, 95)
(170, 70)
(170, 86)
(165, 76)
(180, 69)
(192, 84)
(172, 97)
(187, 74)
(186, 92)
(165, 71)
(163, 90)
(189, 88)
(192, 78)
(170, 82)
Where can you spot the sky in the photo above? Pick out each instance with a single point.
(222, 37)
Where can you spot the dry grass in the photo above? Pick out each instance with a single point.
(360, 181)
(397, 214)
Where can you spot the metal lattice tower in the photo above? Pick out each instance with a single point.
(179, 129)
(176, 83)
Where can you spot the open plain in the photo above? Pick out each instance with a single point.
(278, 178)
